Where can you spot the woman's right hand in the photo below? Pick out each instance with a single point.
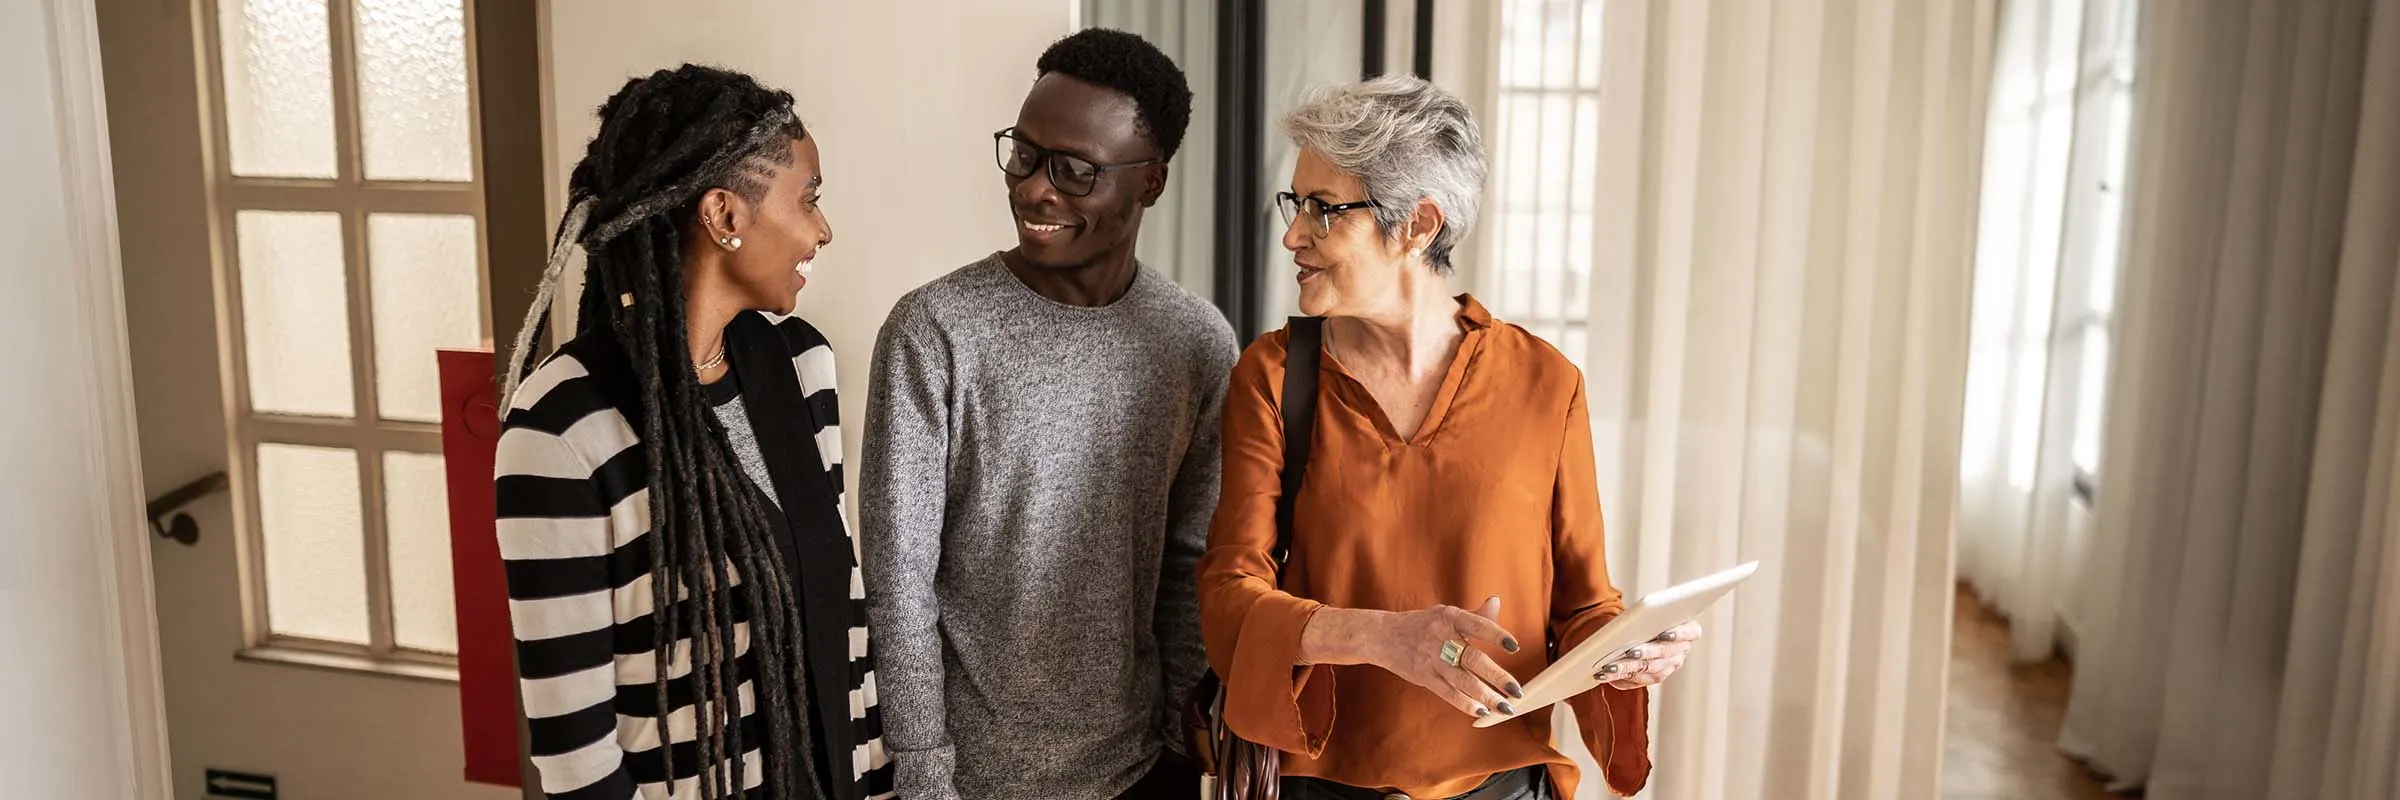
(1410, 644)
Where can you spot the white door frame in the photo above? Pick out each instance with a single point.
(121, 533)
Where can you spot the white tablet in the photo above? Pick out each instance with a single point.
(1648, 617)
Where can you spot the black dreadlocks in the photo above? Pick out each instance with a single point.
(664, 141)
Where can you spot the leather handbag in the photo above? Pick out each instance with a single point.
(1246, 770)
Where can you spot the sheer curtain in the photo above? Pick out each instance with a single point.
(2246, 580)
(1178, 234)
(1785, 234)
(2045, 265)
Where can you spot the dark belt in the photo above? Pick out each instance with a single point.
(1498, 787)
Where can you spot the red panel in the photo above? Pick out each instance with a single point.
(487, 684)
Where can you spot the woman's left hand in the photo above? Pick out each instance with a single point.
(1652, 662)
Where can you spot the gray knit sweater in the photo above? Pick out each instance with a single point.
(1036, 485)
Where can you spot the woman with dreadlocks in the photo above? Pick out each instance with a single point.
(684, 588)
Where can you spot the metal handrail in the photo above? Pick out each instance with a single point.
(183, 529)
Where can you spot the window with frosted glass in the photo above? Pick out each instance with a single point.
(309, 516)
(295, 312)
(352, 214)
(412, 89)
(277, 69)
(419, 544)
(425, 297)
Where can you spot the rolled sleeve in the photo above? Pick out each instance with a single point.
(1251, 625)
(1615, 722)
(1270, 699)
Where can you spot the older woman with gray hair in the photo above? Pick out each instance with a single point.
(1450, 468)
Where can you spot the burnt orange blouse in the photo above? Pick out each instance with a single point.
(1495, 494)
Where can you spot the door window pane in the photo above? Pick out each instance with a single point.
(426, 291)
(412, 90)
(278, 74)
(308, 508)
(295, 312)
(417, 514)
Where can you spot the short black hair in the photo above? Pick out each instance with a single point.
(1124, 62)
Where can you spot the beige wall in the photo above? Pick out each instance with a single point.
(902, 96)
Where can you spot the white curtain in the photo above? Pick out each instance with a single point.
(1308, 45)
(2245, 640)
(1778, 340)
(1178, 234)
(2045, 263)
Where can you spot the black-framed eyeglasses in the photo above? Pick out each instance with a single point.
(1319, 212)
(1074, 175)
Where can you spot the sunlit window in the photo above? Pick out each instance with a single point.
(2050, 240)
(1544, 143)
(351, 203)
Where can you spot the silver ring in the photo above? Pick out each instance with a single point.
(1452, 651)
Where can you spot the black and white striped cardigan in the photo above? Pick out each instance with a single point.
(573, 510)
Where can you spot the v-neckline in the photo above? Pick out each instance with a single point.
(1469, 339)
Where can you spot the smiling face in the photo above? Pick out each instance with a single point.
(780, 232)
(1056, 230)
(1353, 268)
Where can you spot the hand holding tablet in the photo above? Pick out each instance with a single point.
(1588, 665)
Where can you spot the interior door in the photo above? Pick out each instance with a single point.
(294, 239)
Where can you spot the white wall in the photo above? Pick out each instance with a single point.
(85, 699)
(902, 97)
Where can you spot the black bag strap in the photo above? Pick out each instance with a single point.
(1299, 420)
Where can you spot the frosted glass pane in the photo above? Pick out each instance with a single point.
(412, 89)
(417, 516)
(295, 312)
(308, 511)
(427, 295)
(278, 74)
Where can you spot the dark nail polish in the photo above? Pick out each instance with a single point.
(1611, 669)
(1508, 643)
(1480, 711)
(1505, 708)
(1514, 690)
(1634, 653)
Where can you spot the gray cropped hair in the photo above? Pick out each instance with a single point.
(1407, 140)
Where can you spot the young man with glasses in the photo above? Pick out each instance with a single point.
(1041, 464)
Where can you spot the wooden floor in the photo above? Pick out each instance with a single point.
(2003, 722)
